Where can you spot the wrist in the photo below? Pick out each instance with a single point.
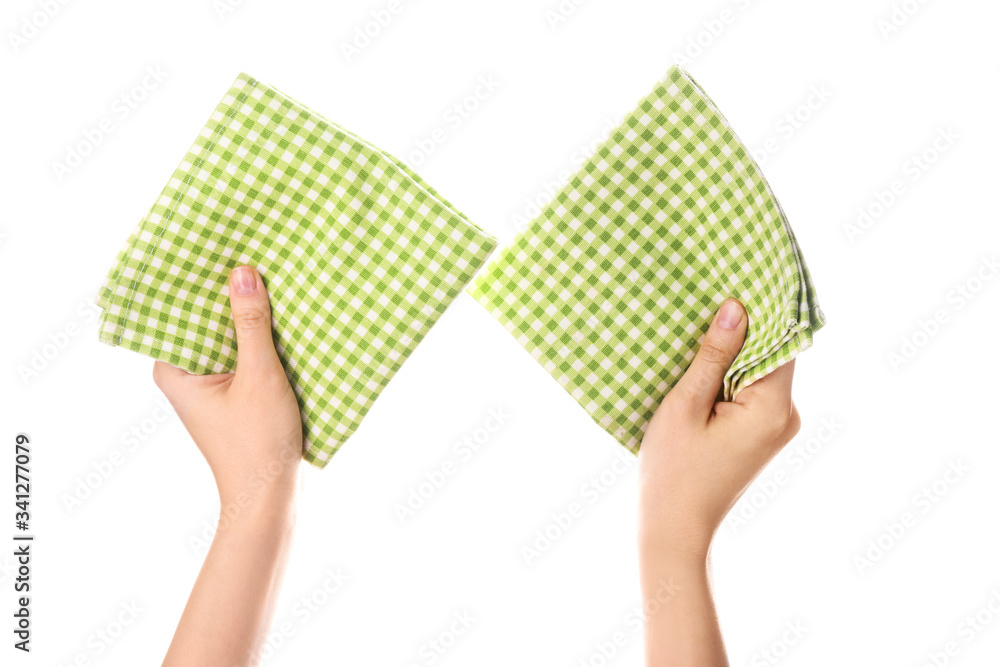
(268, 480)
(264, 503)
(688, 547)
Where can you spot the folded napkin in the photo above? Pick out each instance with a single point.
(612, 287)
(359, 255)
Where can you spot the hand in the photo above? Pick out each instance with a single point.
(697, 458)
(699, 455)
(247, 424)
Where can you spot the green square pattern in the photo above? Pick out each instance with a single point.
(612, 287)
(359, 255)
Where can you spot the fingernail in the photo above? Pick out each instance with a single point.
(730, 314)
(244, 281)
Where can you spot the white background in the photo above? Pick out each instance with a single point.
(896, 429)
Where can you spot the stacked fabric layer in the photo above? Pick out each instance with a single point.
(359, 255)
(612, 287)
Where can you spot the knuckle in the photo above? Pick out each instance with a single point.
(674, 404)
(250, 318)
(792, 425)
(782, 423)
(679, 404)
(794, 422)
(769, 424)
(713, 353)
(776, 425)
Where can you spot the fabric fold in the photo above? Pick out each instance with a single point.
(613, 285)
(359, 255)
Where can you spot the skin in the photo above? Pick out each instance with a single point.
(248, 426)
(697, 458)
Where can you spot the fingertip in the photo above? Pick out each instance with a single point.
(250, 310)
(728, 330)
(699, 388)
(244, 281)
(731, 314)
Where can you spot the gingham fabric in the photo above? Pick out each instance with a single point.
(613, 286)
(359, 255)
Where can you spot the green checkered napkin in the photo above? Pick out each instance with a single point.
(612, 287)
(360, 257)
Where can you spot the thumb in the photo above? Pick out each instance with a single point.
(700, 385)
(251, 314)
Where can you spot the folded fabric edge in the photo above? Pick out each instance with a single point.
(241, 87)
(104, 293)
(314, 460)
(114, 303)
(811, 309)
(317, 454)
(110, 296)
(621, 434)
(799, 341)
(804, 317)
(320, 455)
(107, 294)
(397, 162)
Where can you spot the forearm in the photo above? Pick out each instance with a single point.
(229, 612)
(682, 629)
(698, 456)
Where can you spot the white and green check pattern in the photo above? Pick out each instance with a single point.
(613, 286)
(359, 255)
